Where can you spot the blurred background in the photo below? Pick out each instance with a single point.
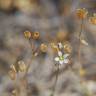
(47, 17)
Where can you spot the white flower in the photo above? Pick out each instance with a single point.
(62, 58)
(60, 45)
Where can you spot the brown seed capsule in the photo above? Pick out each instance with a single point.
(43, 48)
(92, 20)
(22, 66)
(82, 13)
(27, 34)
(36, 35)
(12, 74)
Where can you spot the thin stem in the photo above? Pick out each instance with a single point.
(32, 50)
(80, 33)
(32, 45)
(57, 74)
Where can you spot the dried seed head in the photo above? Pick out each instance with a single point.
(27, 34)
(36, 35)
(82, 13)
(92, 19)
(22, 66)
(67, 48)
(54, 47)
(43, 48)
(12, 74)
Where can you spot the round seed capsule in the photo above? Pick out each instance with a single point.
(36, 35)
(43, 48)
(22, 66)
(27, 34)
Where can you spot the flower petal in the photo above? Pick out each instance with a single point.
(61, 62)
(56, 58)
(59, 53)
(66, 55)
(66, 61)
(60, 45)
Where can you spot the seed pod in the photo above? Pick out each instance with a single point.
(92, 20)
(82, 13)
(12, 74)
(35, 35)
(22, 66)
(27, 34)
(43, 48)
(12, 67)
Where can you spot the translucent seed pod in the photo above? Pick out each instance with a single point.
(35, 35)
(27, 34)
(43, 48)
(81, 13)
(22, 66)
(12, 74)
(92, 19)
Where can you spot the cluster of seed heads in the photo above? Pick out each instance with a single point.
(63, 49)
